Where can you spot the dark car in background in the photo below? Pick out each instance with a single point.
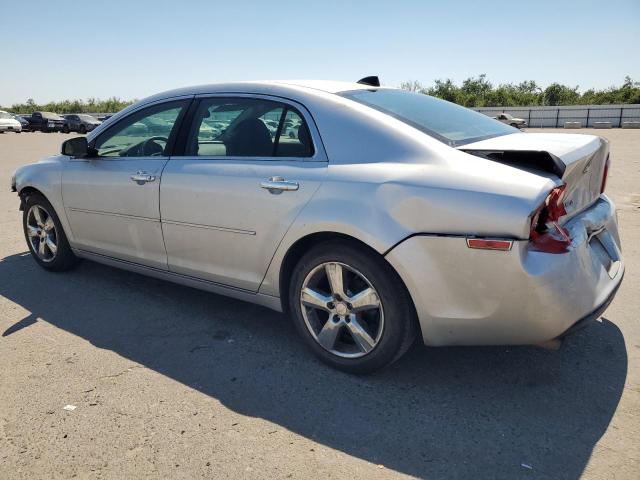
(23, 122)
(45, 122)
(81, 123)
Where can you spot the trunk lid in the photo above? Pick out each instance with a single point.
(578, 160)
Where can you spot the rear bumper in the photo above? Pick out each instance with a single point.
(10, 128)
(480, 297)
(597, 313)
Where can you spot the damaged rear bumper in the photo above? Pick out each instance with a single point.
(517, 297)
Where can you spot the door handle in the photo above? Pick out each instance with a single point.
(141, 177)
(278, 185)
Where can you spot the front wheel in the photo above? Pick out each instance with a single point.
(44, 234)
(351, 307)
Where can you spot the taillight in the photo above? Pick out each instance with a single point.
(546, 234)
(605, 174)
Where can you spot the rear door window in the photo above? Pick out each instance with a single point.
(247, 127)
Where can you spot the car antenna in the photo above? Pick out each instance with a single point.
(373, 80)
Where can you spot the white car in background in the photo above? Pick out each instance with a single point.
(511, 120)
(8, 123)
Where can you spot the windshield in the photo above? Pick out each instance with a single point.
(445, 121)
(88, 118)
(51, 116)
(5, 115)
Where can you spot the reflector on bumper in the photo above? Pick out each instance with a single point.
(486, 244)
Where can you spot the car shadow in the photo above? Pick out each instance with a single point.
(490, 412)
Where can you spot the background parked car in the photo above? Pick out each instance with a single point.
(24, 123)
(45, 122)
(510, 120)
(81, 123)
(8, 123)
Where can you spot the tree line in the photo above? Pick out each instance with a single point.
(91, 105)
(480, 92)
(473, 92)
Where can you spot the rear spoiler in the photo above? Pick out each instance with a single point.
(532, 159)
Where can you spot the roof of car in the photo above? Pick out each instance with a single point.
(329, 86)
(265, 87)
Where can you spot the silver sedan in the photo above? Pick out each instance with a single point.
(372, 216)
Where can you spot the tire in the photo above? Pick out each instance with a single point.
(50, 232)
(82, 130)
(65, 129)
(391, 326)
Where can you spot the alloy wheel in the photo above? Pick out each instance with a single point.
(342, 310)
(42, 234)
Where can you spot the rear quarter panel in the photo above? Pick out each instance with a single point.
(383, 203)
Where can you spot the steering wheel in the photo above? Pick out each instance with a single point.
(150, 148)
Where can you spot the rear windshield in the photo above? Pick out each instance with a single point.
(445, 121)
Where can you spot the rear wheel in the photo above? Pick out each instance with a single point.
(65, 129)
(351, 307)
(44, 234)
(82, 129)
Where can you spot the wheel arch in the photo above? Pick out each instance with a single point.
(29, 190)
(44, 179)
(303, 244)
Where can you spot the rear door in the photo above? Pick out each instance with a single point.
(111, 199)
(250, 164)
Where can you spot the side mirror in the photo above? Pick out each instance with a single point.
(75, 147)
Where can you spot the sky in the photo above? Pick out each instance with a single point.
(63, 49)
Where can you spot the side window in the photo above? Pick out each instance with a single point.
(141, 134)
(294, 139)
(247, 127)
(272, 119)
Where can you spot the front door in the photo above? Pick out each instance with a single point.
(250, 166)
(112, 198)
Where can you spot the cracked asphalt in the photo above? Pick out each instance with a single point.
(171, 382)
